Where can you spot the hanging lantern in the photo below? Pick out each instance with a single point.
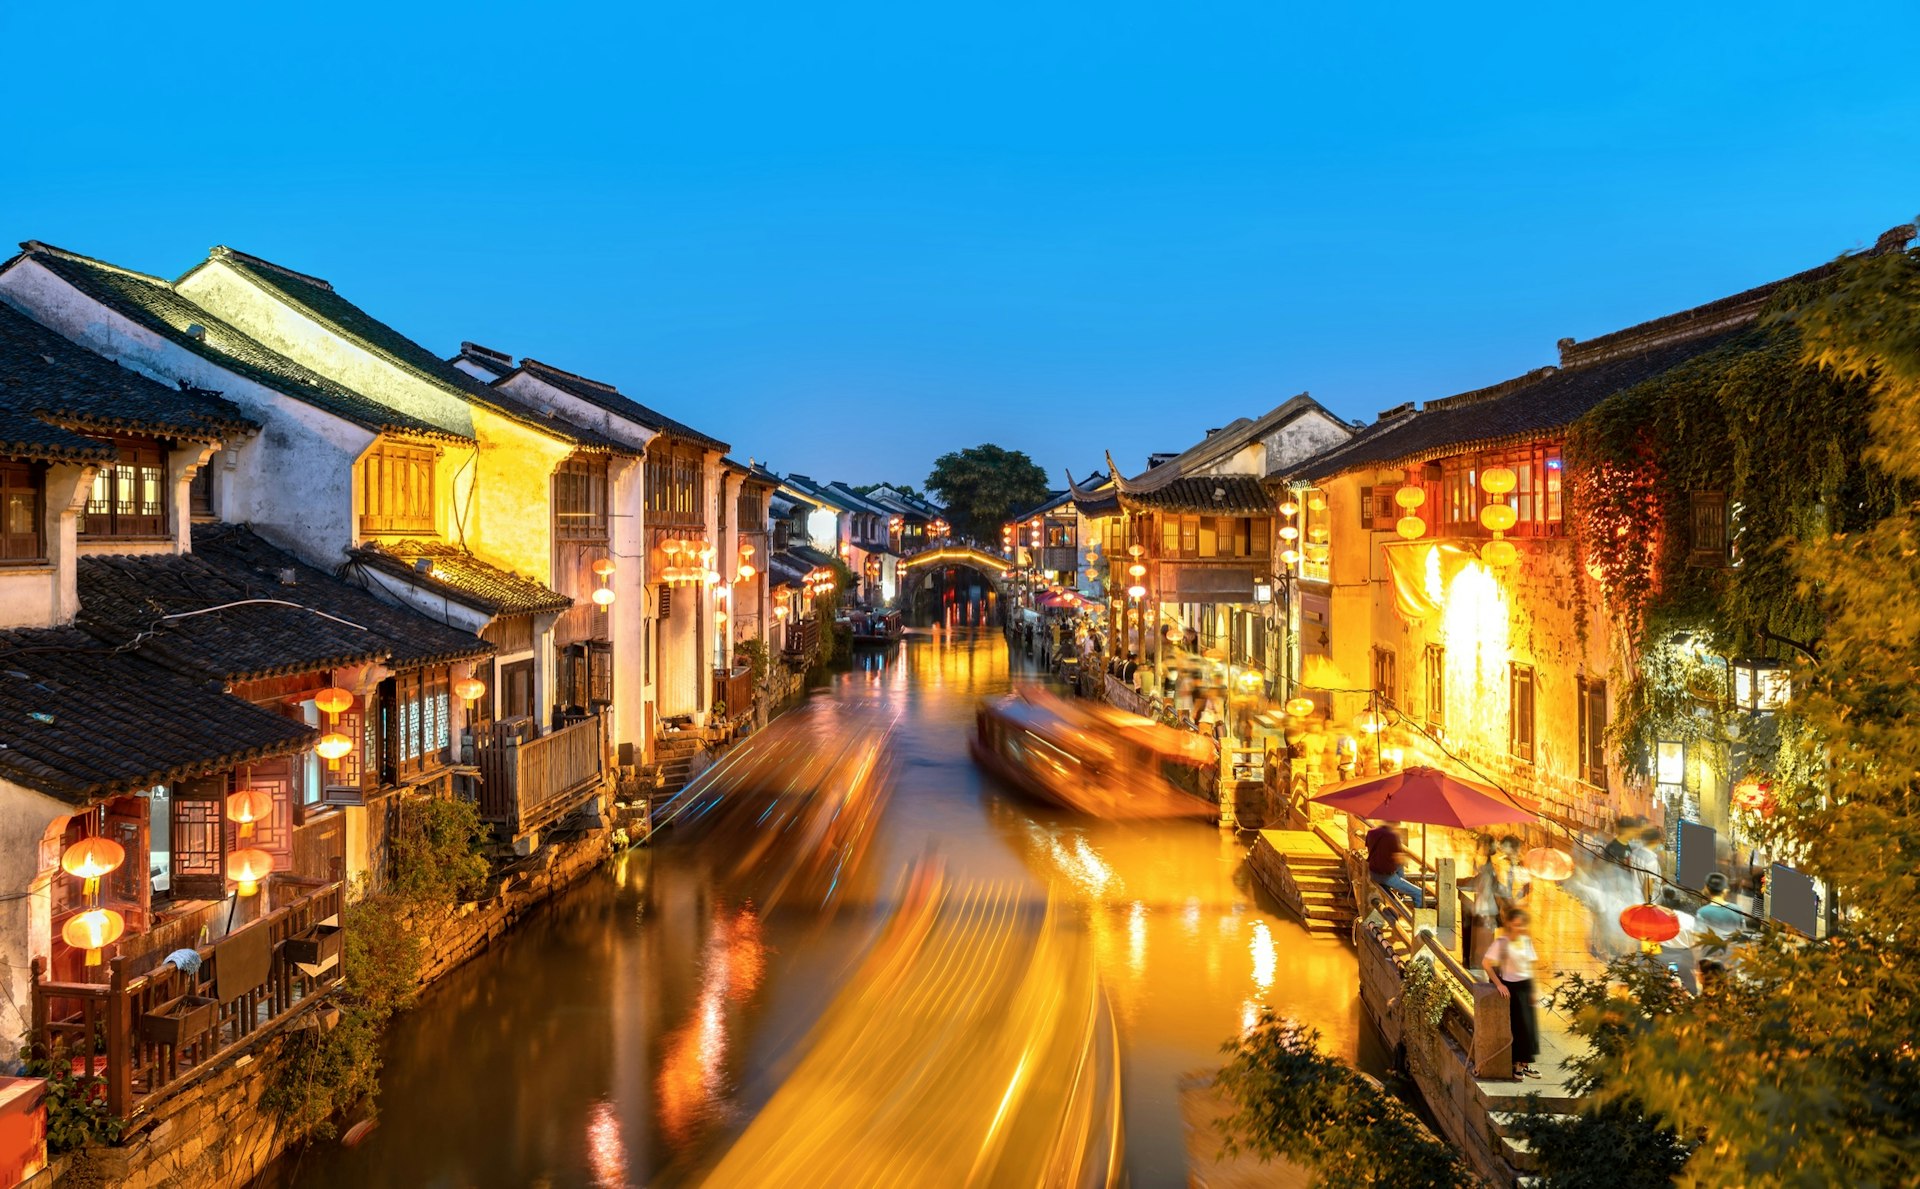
(746, 572)
(1497, 480)
(248, 867)
(1753, 794)
(333, 702)
(1499, 554)
(1300, 707)
(92, 931)
(1650, 924)
(256, 805)
(781, 612)
(1136, 591)
(1411, 527)
(1136, 550)
(331, 747)
(1410, 496)
(603, 567)
(1498, 518)
(603, 595)
(90, 858)
(1137, 570)
(1549, 863)
(1289, 533)
(746, 551)
(719, 618)
(469, 689)
(1290, 556)
(1289, 509)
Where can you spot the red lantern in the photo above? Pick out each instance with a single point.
(93, 931)
(249, 806)
(1650, 923)
(1754, 795)
(1549, 863)
(248, 868)
(90, 858)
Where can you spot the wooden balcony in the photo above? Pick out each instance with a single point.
(144, 1037)
(528, 784)
(803, 643)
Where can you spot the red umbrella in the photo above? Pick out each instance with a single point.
(1065, 598)
(1428, 796)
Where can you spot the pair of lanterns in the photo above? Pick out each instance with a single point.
(333, 745)
(90, 860)
(745, 571)
(698, 567)
(603, 593)
(820, 581)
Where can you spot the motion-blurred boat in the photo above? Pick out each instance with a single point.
(876, 627)
(1090, 758)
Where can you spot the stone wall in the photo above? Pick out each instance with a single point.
(471, 928)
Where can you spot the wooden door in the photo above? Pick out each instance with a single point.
(129, 890)
(279, 779)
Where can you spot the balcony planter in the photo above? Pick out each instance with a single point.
(178, 1020)
(314, 947)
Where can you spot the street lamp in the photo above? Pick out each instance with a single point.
(1670, 762)
(1760, 684)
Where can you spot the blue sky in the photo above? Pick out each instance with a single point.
(848, 237)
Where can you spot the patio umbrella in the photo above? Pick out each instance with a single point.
(1065, 599)
(1428, 796)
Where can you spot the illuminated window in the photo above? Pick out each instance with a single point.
(1593, 733)
(580, 498)
(129, 498)
(1522, 711)
(21, 485)
(396, 489)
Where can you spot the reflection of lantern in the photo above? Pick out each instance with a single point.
(1650, 923)
(1316, 502)
(1300, 707)
(1549, 863)
(92, 931)
(1499, 554)
(331, 747)
(603, 567)
(248, 867)
(719, 617)
(90, 858)
(469, 689)
(603, 596)
(332, 702)
(256, 805)
(1410, 527)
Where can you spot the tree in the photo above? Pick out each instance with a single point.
(870, 488)
(983, 485)
(1801, 1070)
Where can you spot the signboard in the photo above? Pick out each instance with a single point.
(1182, 582)
(1792, 899)
(1696, 859)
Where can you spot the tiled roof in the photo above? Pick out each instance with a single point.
(317, 299)
(81, 721)
(460, 576)
(788, 570)
(1225, 495)
(45, 377)
(123, 596)
(606, 396)
(809, 556)
(152, 303)
(1536, 403)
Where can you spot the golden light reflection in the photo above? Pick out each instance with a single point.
(692, 1078)
(1475, 628)
(1266, 959)
(1137, 938)
(606, 1153)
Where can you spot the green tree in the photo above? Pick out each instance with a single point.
(982, 485)
(1802, 1070)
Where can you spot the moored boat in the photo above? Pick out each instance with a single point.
(1103, 763)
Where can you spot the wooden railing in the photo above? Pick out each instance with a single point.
(734, 689)
(1124, 696)
(803, 641)
(527, 784)
(142, 1037)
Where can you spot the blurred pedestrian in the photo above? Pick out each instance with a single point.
(1715, 928)
(1509, 963)
(1386, 853)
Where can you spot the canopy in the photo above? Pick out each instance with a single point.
(1427, 796)
(1066, 600)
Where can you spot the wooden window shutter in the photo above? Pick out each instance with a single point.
(274, 835)
(129, 890)
(1366, 507)
(343, 785)
(600, 666)
(199, 842)
(666, 602)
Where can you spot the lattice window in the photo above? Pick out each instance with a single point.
(1707, 528)
(396, 489)
(580, 498)
(129, 497)
(199, 839)
(21, 498)
(1521, 703)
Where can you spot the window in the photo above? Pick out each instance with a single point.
(1455, 496)
(676, 487)
(584, 675)
(129, 498)
(21, 485)
(1060, 536)
(1366, 507)
(1593, 733)
(1386, 675)
(1435, 664)
(1521, 701)
(396, 489)
(516, 690)
(416, 720)
(580, 499)
(1208, 537)
(1707, 528)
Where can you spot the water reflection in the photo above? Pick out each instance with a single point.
(624, 1034)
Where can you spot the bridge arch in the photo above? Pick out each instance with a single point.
(915, 572)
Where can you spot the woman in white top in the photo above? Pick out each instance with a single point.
(1509, 962)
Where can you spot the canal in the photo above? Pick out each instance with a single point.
(626, 1033)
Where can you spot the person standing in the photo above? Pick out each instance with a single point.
(1716, 926)
(1509, 963)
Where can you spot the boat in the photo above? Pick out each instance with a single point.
(1097, 761)
(876, 627)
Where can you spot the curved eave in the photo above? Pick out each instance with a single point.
(141, 783)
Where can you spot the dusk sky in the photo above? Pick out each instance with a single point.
(848, 237)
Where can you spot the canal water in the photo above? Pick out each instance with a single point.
(625, 1033)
